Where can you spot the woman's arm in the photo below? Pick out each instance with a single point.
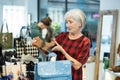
(76, 64)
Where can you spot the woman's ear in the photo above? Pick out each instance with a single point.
(80, 24)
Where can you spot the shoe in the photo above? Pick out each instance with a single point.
(41, 44)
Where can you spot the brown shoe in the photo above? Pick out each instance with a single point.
(42, 44)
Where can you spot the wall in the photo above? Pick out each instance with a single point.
(106, 5)
(8, 2)
(30, 8)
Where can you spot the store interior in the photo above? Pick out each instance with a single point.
(102, 28)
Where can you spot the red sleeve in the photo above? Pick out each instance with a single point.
(84, 51)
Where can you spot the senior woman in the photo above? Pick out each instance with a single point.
(73, 45)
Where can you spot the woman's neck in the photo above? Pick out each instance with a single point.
(74, 36)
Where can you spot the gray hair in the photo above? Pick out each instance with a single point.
(78, 15)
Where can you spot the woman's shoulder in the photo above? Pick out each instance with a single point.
(63, 33)
(83, 41)
(86, 39)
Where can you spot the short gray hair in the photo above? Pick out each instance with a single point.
(78, 15)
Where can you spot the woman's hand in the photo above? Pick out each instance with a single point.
(58, 47)
(76, 64)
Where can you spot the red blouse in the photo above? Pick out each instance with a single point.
(78, 49)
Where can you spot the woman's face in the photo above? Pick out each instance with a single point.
(41, 25)
(72, 25)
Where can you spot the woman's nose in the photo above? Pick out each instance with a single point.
(67, 24)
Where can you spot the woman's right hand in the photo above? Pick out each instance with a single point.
(58, 47)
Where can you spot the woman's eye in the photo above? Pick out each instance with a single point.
(68, 21)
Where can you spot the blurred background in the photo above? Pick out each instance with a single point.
(19, 13)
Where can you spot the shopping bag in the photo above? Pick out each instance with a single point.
(53, 70)
(6, 39)
(22, 47)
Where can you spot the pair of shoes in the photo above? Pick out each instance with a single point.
(41, 44)
(115, 68)
(117, 78)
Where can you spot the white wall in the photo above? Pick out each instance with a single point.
(108, 5)
(31, 7)
(9, 2)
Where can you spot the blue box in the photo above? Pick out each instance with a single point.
(53, 70)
